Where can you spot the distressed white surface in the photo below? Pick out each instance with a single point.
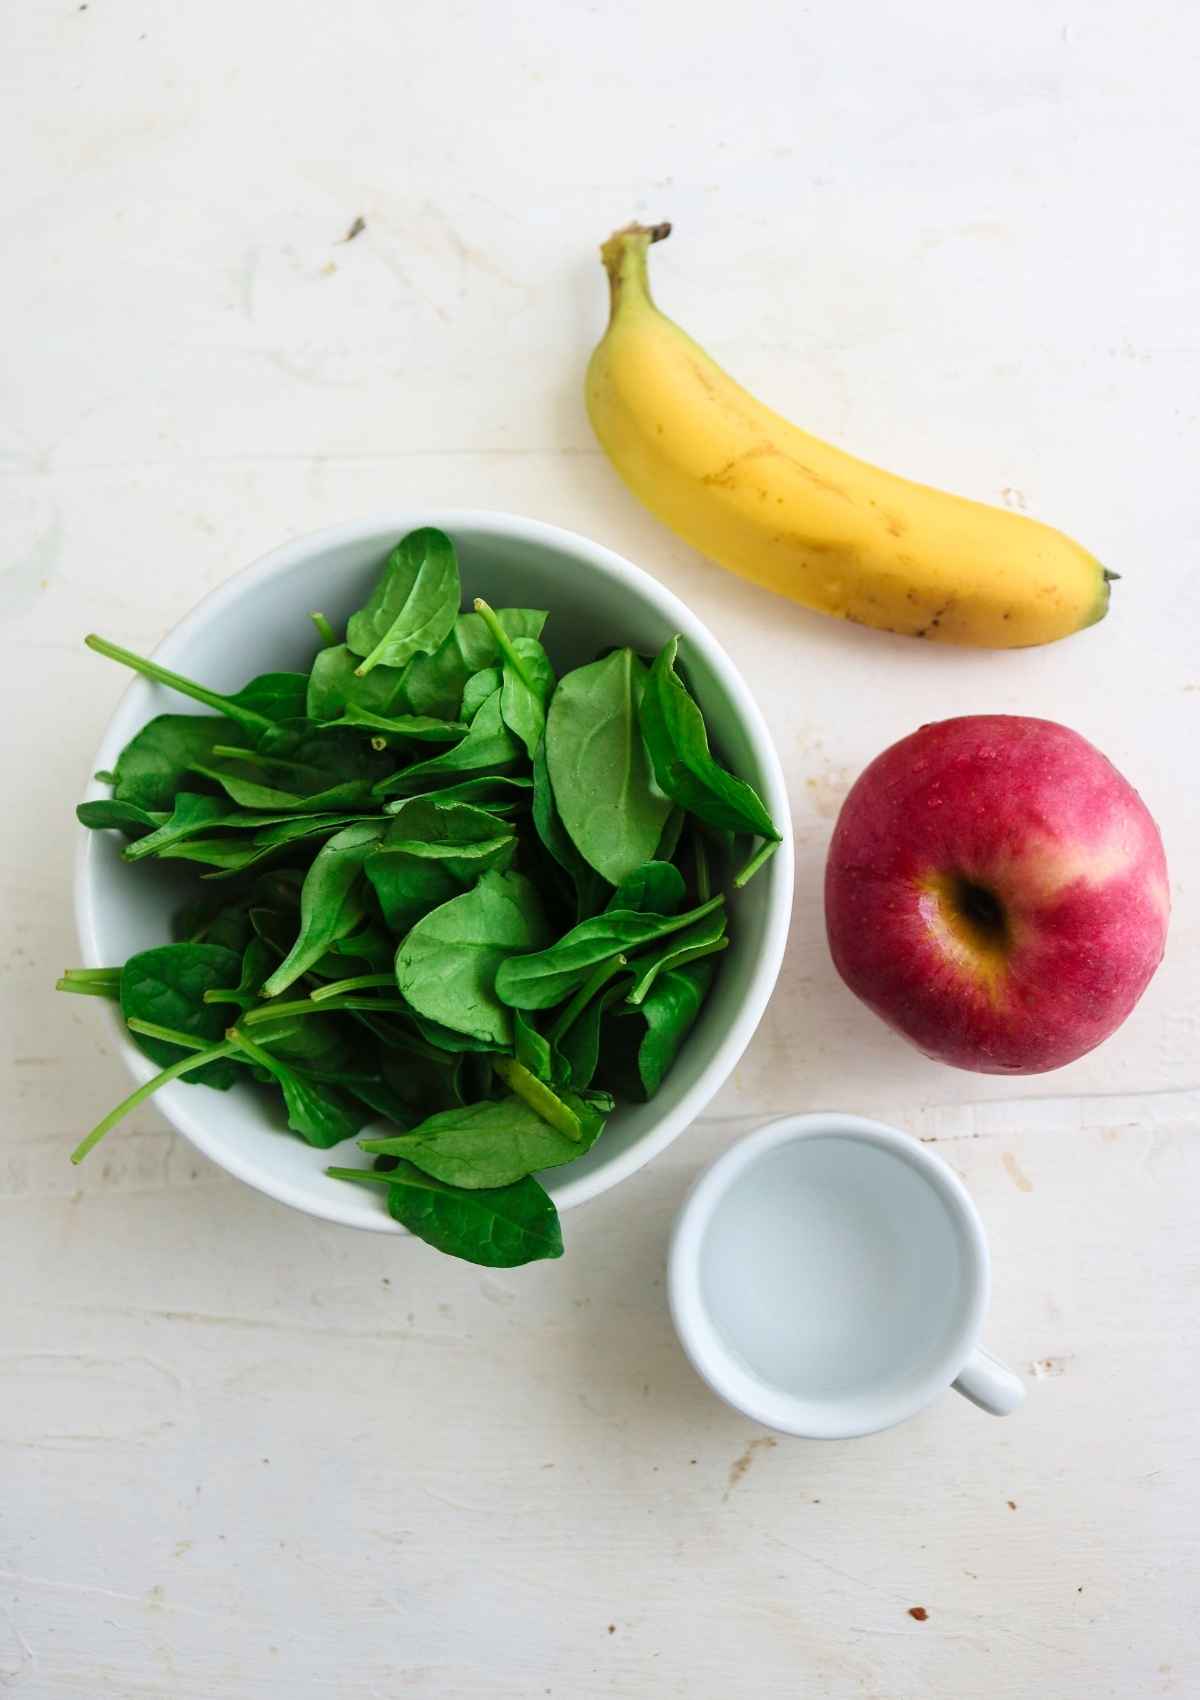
(244, 1454)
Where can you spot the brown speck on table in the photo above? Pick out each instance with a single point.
(356, 229)
(612, 1629)
(1012, 1505)
(740, 1465)
(1018, 1177)
(1042, 1368)
(918, 1612)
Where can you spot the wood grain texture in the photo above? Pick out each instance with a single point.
(251, 1455)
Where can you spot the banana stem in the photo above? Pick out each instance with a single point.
(624, 256)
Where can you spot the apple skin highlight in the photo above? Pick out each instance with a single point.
(996, 892)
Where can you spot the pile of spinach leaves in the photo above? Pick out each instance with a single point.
(436, 887)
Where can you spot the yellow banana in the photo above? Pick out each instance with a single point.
(791, 512)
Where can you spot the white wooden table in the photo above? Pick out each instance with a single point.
(243, 1454)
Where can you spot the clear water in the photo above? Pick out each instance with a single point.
(832, 1269)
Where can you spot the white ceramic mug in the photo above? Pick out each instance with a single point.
(829, 1277)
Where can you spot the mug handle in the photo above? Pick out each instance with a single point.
(991, 1385)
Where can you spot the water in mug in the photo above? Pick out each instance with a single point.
(831, 1268)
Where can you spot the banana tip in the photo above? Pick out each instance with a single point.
(653, 232)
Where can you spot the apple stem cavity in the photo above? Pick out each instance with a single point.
(982, 910)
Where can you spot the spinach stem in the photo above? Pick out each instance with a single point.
(503, 642)
(247, 717)
(169, 1035)
(90, 988)
(325, 631)
(258, 758)
(640, 988)
(760, 857)
(700, 851)
(599, 977)
(91, 982)
(373, 1177)
(561, 1117)
(184, 1066)
(264, 1059)
(357, 983)
(305, 1006)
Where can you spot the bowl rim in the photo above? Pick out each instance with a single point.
(607, 562)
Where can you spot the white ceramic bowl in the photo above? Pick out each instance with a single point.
(258, 621)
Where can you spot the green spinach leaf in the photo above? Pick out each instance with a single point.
(635, 1057)
(320, 1114)
(598, 766)
(422, 1083)
(675, 735)
(706, 938)
(543, 978)
(446, 967)
(532, 1049)
(499, 1228)
(192, 813)
(591, 889)
(434, 825)
(527, 681)
(330, 906)
(488, 747)
(477, 690)
(490, 1144)
(430, 852)
(528, 685)
(450, 1039)
(414, 606)
(275, 696)
(335, 686)
(420, 728)
(288, 829)
(433, 684)
(252, 794)
(166, 985)
(499, 793)
(668, 844)
(408, 887)
(257, 961)
(579, 1045)
(370, 943)
(104, 812)
(214, 917)
(227, 854)
(155, 763)
(655, 888)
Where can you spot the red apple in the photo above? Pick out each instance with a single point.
(996, 892)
